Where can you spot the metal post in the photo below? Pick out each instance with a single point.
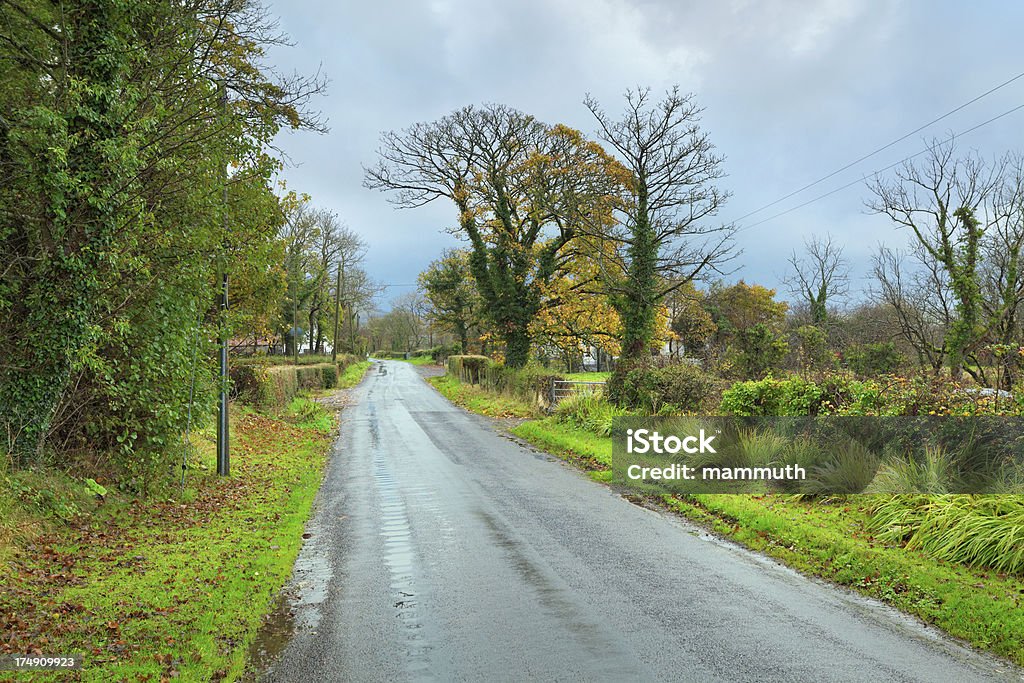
(223, 437)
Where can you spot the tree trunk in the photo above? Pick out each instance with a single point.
(517, 347)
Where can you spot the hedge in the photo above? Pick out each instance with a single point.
(469, 369)
(530, 383)
(272, 387)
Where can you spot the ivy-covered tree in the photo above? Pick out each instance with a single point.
(520, 188)
(116, 209)
(818, 277)
(664, 232)
(957, 209)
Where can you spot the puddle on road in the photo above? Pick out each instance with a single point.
(400, 559)
(273, 637)
(296, 608)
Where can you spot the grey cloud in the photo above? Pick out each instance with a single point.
(793, 90)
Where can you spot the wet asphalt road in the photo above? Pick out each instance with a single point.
(441, 550)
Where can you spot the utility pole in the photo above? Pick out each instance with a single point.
(296, 339)
(337, 310)
(223, 436)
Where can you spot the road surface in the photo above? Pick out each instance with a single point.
(441, 550)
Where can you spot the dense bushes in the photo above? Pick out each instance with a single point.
(845, 395)
(771, 396)
(389, 355)
(589, 410)
(439, 353)
(871, 360)
(678, 387)
(757, 351)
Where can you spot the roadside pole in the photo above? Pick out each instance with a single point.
(223, 437)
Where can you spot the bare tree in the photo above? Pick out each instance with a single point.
(945, 202)
(348, 278)
(664, 236)
(819, 276)
(918, 295)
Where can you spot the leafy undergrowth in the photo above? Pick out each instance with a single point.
(152, 590)
(353, 374)
(481, 401)
(834, 542)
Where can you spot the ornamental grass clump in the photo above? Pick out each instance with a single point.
(983, 531)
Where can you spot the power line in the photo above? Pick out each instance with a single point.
(881, 149)
(882, 170)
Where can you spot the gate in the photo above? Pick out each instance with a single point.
(560, 388)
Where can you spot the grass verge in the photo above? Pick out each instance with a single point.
(420, 360)
(589, 376)
(833, 542)
(176, 587)
(583, 448)
(353, 374)
(480, 401)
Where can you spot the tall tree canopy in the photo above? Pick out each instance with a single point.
(664, 232)
(118, 122)
(521, 189)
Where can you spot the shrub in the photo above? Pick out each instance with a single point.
(589, 410)
(615, 387)
(531, 383)
(984, 531)
(813, 348)
(850, 469)
(278, 386)
(769, 396)
(872, 360)
(678, 387)
(272, 387)
(440, 354)
(758, 351)
(347, 359)
(934, 472)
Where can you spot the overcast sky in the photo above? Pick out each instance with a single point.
(793, 90)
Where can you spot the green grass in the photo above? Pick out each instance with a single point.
(589, 376)
(178, 586)
(585, 449)
(420, 360)
(480, 401)
(353, 374)
(832, 541)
